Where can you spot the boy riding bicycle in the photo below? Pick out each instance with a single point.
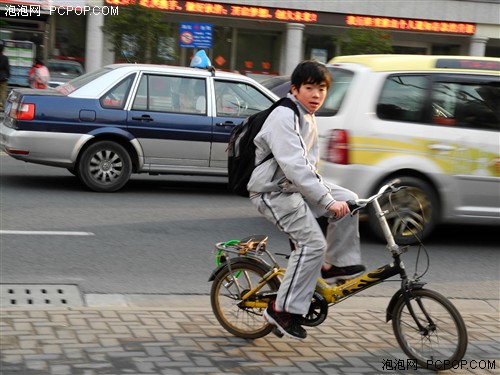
(288, 190)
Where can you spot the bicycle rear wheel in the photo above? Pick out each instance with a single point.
(242, 318)
(443, 339)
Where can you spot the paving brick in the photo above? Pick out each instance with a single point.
(60, 370)
(189, 340)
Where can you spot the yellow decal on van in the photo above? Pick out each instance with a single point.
(451, 158)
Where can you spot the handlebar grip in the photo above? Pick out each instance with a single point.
(353, 206)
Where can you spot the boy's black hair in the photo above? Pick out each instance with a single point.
(310, 71)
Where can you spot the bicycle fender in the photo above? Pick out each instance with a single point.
(218, 270)
(392, 303)
(397, 296)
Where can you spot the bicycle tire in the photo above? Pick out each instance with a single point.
(225, 298)
(445, 340)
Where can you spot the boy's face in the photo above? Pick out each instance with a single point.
(311, 95)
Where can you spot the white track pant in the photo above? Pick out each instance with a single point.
(298, 219)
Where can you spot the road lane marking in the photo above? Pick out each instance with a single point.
(46, 233)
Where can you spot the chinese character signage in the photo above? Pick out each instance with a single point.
(411, 25)
(214, 9)
(225, 10)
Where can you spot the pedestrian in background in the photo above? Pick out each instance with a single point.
(38, 76)
(4, 76)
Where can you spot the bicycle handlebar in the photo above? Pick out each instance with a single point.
(358, 204)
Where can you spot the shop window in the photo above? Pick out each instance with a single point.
(69, 36)
(319, 47)
(222, 44)
(445, 49)
(492, 51)
(256, 61)
(403, 98)
(406, 50)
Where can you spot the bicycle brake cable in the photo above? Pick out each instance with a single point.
(421, 246)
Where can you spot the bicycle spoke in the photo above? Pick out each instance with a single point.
(442, 337)
(235, 315)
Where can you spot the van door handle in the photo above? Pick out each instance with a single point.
(146, 118)
(441, 147)
(226, 123)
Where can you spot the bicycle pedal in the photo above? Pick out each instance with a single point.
(277, 332)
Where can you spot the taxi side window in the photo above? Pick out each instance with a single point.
(403, 98)
(117, 96)
(470, 105)
(154, 94)
(237, 99)
(159, 93)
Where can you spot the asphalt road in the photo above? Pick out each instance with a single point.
(157, 235)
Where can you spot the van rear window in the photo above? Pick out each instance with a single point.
(80, 81)
(341, 80)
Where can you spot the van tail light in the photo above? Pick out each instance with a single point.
(23, 111)
(14, 151)
(338, 147)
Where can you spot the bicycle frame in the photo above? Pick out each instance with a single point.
(426, 325)
(335, 293)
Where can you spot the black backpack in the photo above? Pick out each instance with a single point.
(241, 149)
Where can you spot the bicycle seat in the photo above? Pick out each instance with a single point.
(252, 243)
(255, 238)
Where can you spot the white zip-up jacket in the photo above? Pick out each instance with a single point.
(293, 141)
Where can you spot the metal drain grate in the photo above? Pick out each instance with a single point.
(37, 295)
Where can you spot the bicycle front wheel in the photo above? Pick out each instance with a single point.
(242, 318)
(441, 339)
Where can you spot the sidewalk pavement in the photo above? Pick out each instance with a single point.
(178, 334)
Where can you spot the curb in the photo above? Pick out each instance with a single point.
(197, 302)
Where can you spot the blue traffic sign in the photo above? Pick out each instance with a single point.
(195, 35)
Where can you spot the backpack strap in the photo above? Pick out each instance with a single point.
(285, 102)
(289, 103)
(270, 156)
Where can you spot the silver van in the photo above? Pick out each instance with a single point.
(431, 121)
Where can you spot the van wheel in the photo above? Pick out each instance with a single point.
(105, 166)
(413, 211)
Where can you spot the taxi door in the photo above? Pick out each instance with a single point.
(234, 101)
(172, 128)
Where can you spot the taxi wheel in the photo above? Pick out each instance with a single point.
(412, 212)
(104, 166)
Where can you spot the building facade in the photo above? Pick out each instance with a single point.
(256, 37)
